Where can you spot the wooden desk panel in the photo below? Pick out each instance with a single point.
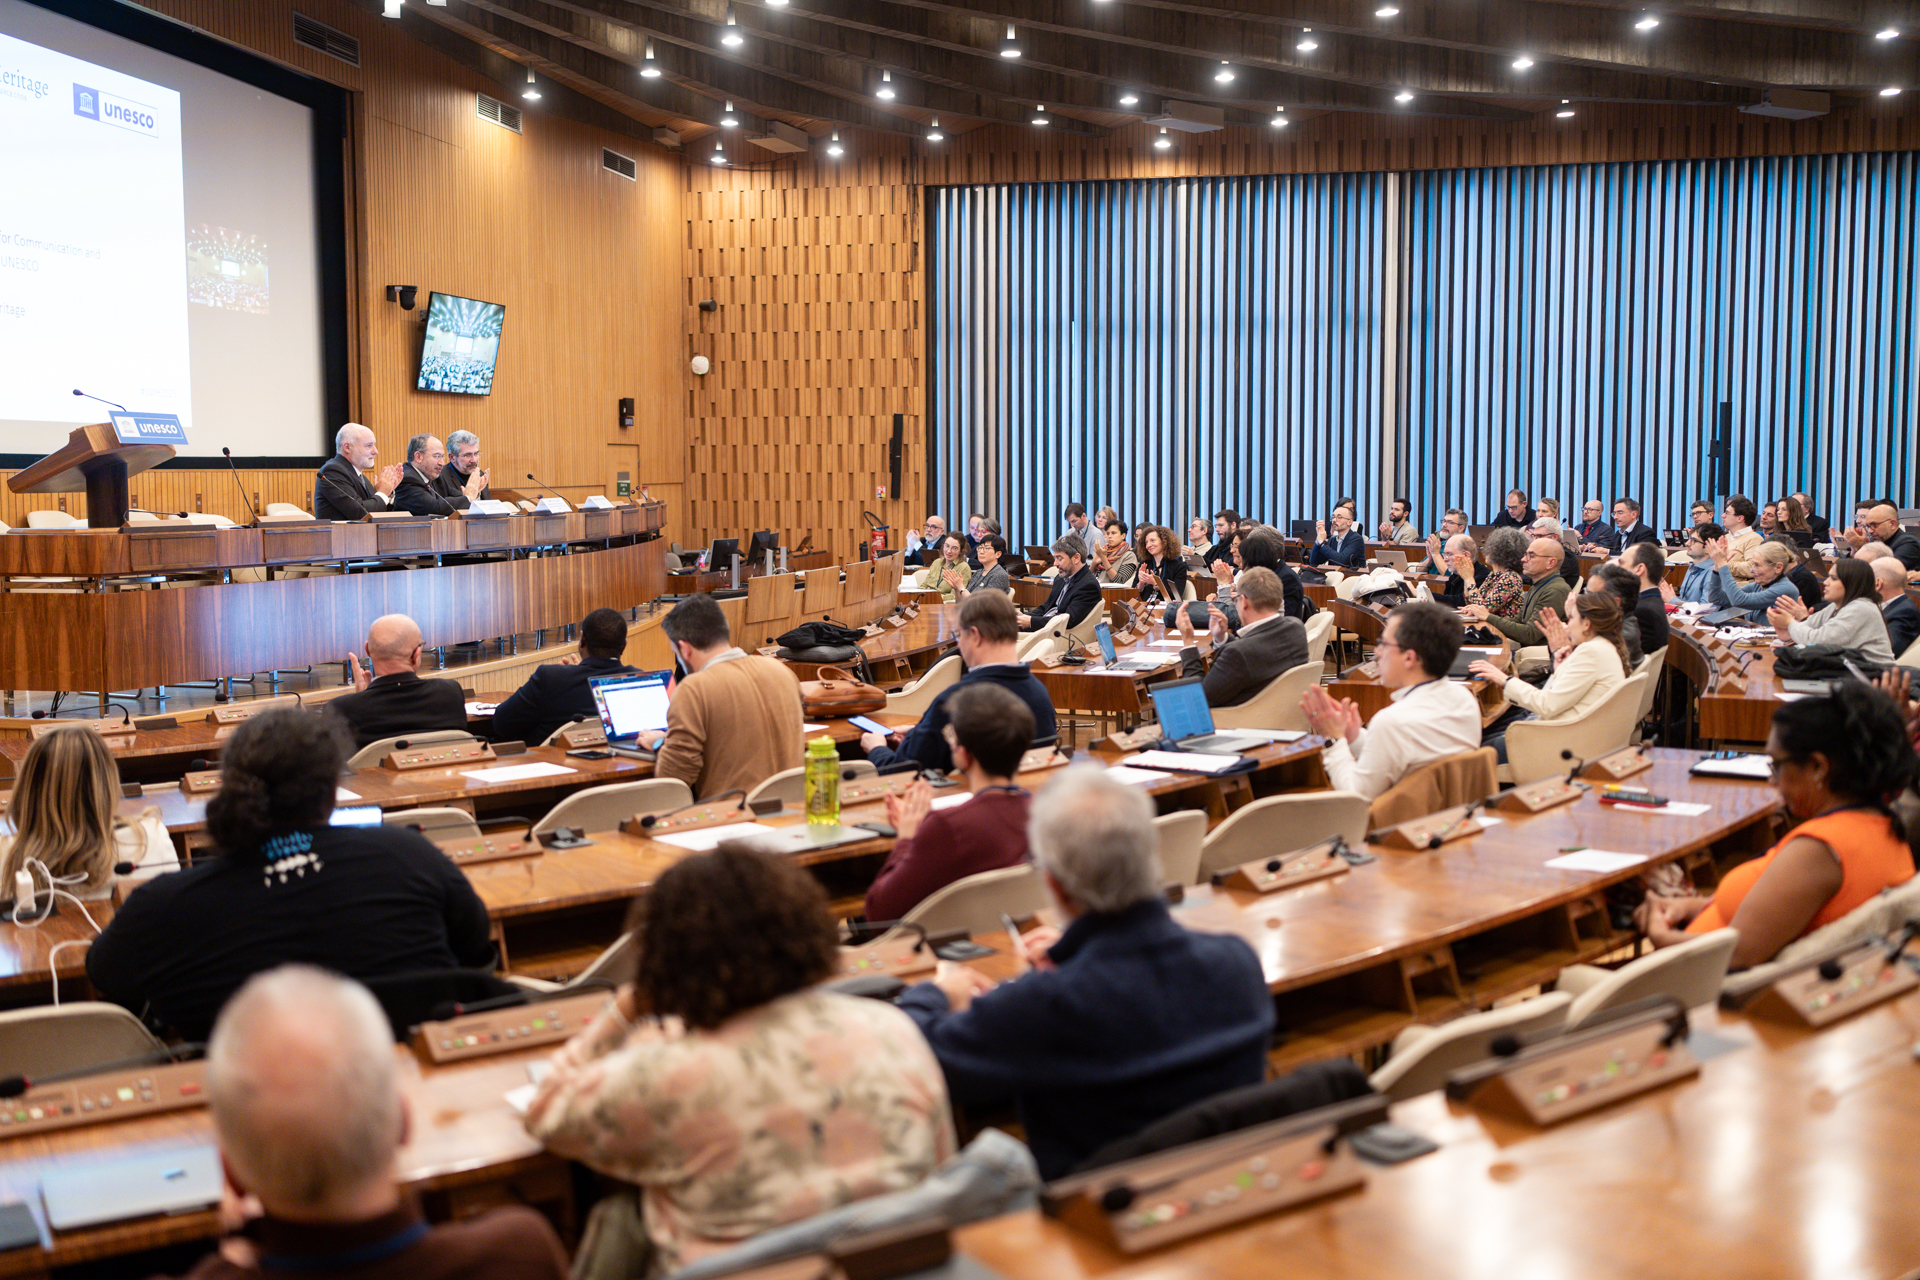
(1732, 707)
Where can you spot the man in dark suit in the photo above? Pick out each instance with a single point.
(1883, 525)
(1267, 645)
(1075, 593)
(1821, 527)
(463, 464)
(391, 699)
(1649, 565)
(1627, 528)
(559, 693)
(1595, 533)
(1896, 606)
(426, 459)
(340, 492)
(1516, 514)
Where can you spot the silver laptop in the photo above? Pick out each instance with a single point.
(1110, 656)
(1388, 558)
(1187, 721)
(179, 1181)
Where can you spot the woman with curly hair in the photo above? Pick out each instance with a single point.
(1502, 592)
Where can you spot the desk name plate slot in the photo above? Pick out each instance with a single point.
(110, 1095)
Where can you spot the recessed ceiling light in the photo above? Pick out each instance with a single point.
(1386, 11)
(1225, 74)
(719, 156)
(1128, 98)
(1405, 95)
(834, 148)
(728, 120)
(730, 34)
(1887, 33)
(1891, 91)
(933, 131)
(1162, 142)
(1522, 62)
(885, 91)
(649, 65)
(1039, 115)
(1010, 47)
(1307, 43)
(1647, 23)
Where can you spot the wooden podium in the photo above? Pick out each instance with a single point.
(93, 459)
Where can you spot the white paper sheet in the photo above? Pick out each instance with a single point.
(1596, 860)
(706, 838)
(481, 708)
(1757, 767)
(341, 794)
(947, 802)
(1187, 761)
(1677, 808)
(1136, 777)
(515, 772)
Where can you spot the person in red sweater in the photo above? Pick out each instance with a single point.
(989, 730)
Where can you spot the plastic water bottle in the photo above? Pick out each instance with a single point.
(823, 783)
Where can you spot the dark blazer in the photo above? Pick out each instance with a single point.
(1248, 662)
(1138, 1018)
(1641, 532)
(451, 485)
(399, 704)
(417, 494)
(1822, 530)
(1171, 569)
(1903, 622)
(1907, 548)
(1650, 611)
(1502, 520)
(1075, 595)
(1349, 552)
(555, 694)
(1812, 589)
(340, 492)
(1600, 533)
(1454, 590)
(926, 743)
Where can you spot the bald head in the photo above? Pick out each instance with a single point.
(301, 1079)
(393, 644)
(1889, 577)
(1550, 552)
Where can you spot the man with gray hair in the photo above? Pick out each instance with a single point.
(307, 1103)
(340, 492)
(463, 464)
(1124, 1017)
(1075, 592)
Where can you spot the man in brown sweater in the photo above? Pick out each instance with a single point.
(735, 720)
(307, 1102)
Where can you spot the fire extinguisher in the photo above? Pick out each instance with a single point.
(876, 536)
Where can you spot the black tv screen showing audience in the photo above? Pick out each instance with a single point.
(460, 344)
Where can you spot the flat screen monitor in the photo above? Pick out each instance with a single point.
(461, 343)
(720, 555)
(764, 541)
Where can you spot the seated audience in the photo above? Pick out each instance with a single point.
(986, 636)
(559, 693)
(1627, 527)
(340, 491)
(1896, 606)
(1570, 558)
(991, 730)
(1075, 592)
(1516, 514)
(1430, 717)
(1882, 524)
(1791, 518)
(1743, 540)
(1624, 586)
(1078, 525)
(1501, 591)
(1162, 572)
(992, 553)
(950, 573)
(1548, 509)
(726, 1084)
(1768, 525)
(64, 813)
(390, 698)
(1836, 760)
(979, 529)
(1589, 665)
(1768, 568)
(1452, 524)
(1398, 527)
(287, 888)
(1341, 547)
(923, 549)
(1263, 548)
(1125, 1017)
(1851, 617)
(1466, 573)
(1648, 564)
(309, 1112)
(1101, 519)
(1265, 645)
(1546, 589)
(1225, 521)
(1114, 560)
(1701, 512)
(734, 719)
(1595, 534)
(1811, 588)
(1698, 586)
(1199, 536)
(1816, 525)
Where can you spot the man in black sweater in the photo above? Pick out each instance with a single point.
(463, 464)
(1267, 645)
(1075, 593)
(1649, 565)
(559, 693)
(1516, 514)
(391, 698)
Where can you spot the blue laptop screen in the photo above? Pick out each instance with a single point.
(1104, 634)
(629, 704)
(1182, 708)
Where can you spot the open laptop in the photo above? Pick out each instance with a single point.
(178, 1181)
(1110, 659)
(1390, 558)
(1302, 530)
(1186, 720)
(1040, 556)
(629, 706)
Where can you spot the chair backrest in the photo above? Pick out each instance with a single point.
(1650, 668)
(55, 1039)
(1878, 916)
(435, 823)
(1534, 747)
(1319, 631)
(1690, 971)
(1306, 818)
(284, 509)
(1033, 646)
(374, 752)
(1083, 634)
(976, 902)
(919, 695)
(1187, 590)
(1181, 833)
(1352, 616)
(1910, 658)
(771, 601)
(1436, 785)
(1275, 707)
(1342, 585)
(605, 808)
(50, 519)
(1423, 1057)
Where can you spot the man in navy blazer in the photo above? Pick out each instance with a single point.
(559, 693)
(1267, 645)
(1076, 592)
(1125, 1017)
(1896, 606)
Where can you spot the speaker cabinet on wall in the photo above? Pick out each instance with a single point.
(894, 449)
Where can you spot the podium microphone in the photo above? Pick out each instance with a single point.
(549, 489)
(122, 408)
(231, 466)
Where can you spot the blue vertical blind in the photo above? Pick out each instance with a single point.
(1164, 347)
(1174, 346)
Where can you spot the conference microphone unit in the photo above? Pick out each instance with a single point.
(538, 485)
(228, 455)
(89, 396)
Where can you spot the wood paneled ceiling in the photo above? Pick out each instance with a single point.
(817, 65)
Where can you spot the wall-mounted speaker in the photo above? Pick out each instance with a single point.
(895, 447)
(626, 411)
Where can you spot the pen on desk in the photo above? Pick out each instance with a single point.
(1013, 940)
(1574, 848)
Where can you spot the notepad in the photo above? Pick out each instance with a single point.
(482, 708)
(517, 772)
(1596, 860)
(1133, 777)
(1676, 808)
(706, 839)
(1757, 767)
(1189, 761)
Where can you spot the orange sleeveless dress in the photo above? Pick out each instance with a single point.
(1871, 856)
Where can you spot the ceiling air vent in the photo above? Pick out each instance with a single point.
(614, 162)
(500, 113)
(318, 35)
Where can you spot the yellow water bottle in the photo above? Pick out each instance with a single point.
(823, 783)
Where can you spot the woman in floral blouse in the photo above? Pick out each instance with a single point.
(1503, 591)
(749, 1097)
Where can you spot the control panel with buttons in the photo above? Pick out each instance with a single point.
(504, 1030)
(896, 958)
(438, 755)
(1580, 1072)
(110, 1095)
(1270, 875)
(1831, 989)
(490, 849)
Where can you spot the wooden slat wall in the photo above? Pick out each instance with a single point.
(444, 200)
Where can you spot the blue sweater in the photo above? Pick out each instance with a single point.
(926, 742)
(1729, 594)
(1139, 1018)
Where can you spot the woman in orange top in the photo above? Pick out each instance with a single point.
(1837, 760)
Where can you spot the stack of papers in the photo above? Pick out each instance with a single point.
(706, 839)
(517, 772)
(1757, 767)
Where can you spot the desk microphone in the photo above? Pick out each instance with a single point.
(126, 717)
(15, 1085)
(538, 485)
(1573, 774)
(86, 396)
(164, 515)
(1439, 837)
(228, 455)
(1908, 932)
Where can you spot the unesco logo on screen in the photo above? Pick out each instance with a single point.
(86, 102)
(107, 108)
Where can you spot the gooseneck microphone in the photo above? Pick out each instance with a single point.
(538, 485)
(1440, 837)
(88, 396)
(1573, 774)
(231, 466)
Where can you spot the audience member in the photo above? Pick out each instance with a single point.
(1742, 540)
(1792, 519)
(1850, 619)
(1701, 512)
(1199, 536)
(726, 1084)
(340, 492)
(1768, 524)
(734, 719)
(463, 464)
(1265, 645)
(1648, 564)
(1810, 587)
(1896, 606)
(1768, 564)
(1114, 560)
(1882, 523)
(1466, 573)
(1627, 528)
(1836, 760)
(1516, 514)
(64, 813)
(1225, 521)
(1590, 663)
(559, 693)
(390, 699)
(1548, 508)
(1075, 515)
(1595, 534)
(1452, 524)
(1075, 592)
(1398, 527)
(367, 902)
(1341, 546)
(1102, 518)
(979, 529)
(990, 730)
(986, 635)
(1624, 586)
(1570, 558)
(1698, 586)
(308, 1108)
(1817, 525)
(426, 459)
(1502, 593)
(1162, 574)
(1430, 717)
(950, 573)
(992, 554)
(1265, 548)
(1125, 1017)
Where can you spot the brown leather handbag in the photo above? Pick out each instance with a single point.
(837, 695)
